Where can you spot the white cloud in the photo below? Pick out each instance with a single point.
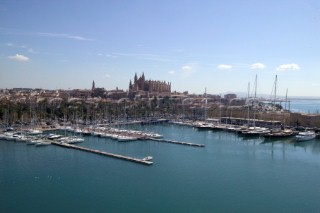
(19, 57)
(285, 67)
(257, 66)
(43, 34)
(171, 72)
(110, 56)
(188, 69)
(107, 76)
(224, 66)
(63, 35)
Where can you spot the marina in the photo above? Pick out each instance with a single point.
(159, 106)
(124, 132)
(120, 135)
(229, 167)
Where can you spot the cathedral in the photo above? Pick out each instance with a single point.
(151, 86)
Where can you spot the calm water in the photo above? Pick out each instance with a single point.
(228, 175)
(304, 106)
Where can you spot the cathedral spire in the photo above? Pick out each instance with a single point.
(135, 78)
(93, 86)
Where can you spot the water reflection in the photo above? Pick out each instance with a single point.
(230, 142)
(312, 145)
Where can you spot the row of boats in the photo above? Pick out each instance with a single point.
(39, 139)
(114, 133)
(254, 131)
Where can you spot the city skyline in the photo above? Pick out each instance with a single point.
(217, 45)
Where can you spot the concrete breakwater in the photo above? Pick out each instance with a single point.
(176, 142)
(121, 157)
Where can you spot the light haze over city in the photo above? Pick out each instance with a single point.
(217, 45)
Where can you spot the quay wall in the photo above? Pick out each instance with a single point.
(286, 118)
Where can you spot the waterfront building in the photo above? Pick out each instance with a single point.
(230, 96)
(98, 91)
(80, 93)
(116, 94)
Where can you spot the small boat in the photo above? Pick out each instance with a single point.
(203, 126)
(34, 132)
(220, 127)
(74, 139)
(53, 136)
(255, 131)
(32, 142)
(148, 158)
(305, 136)
(154, 135)
(43, 143)
(10, 136)
(126, 138)
(86, 132)
(279, 134)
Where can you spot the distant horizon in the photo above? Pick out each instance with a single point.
(239, 94)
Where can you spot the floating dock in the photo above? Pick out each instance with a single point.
(176, 142)
(135, 160)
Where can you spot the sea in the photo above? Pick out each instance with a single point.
(303, 105)
(229, 174)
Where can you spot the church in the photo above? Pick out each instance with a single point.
(150, 86)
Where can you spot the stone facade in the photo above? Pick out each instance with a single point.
(151, 86)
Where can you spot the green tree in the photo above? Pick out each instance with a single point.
(154, 104)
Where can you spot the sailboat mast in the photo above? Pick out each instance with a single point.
(206, 104)
(275, 90)
(255, 88)
(285, 104)
(248, 103)
(255, 96)
(220, 108)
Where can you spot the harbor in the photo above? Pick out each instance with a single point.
(127, 131)
(68, 137)
(159, 106)
(73, 136)
(179, 174)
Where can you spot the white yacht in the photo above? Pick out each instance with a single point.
(43, 143)
(305, 136)
(34, 132)
(148, 158)
(126, 138)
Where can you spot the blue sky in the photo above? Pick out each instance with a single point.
(218, 45)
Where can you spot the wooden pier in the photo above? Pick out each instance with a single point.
(135, 160)
(177, 142)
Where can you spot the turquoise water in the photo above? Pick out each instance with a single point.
(228, 175)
